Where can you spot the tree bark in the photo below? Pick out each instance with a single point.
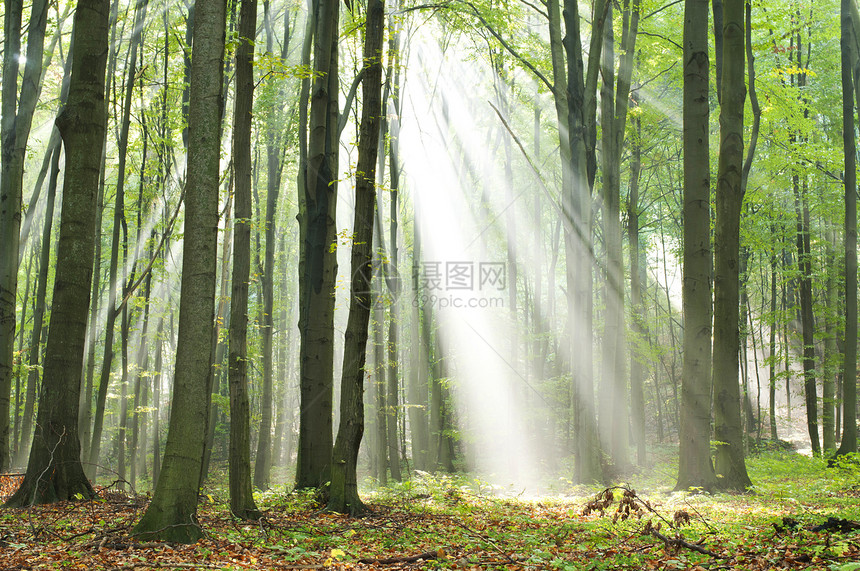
(17, 116)
(344, 490)
(849, 363)
(728, 431)
(638, 361)
(241, 495)
(576, 207)
(171, 516)
(54, 470)
(317, 258)
(694, 466)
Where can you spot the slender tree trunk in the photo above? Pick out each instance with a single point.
(419, 405)
(317, 258)
(263, 460)
(16, 408)
(171, 515)
(379, 393)
(774, 356)
(17, 109)
(241, 496)
(33, 377)
(156, 402)
(831, 353)
(638, 367)
(576, 207)
(613, 142)
(344, 489)
(849, 363)
(807, 318)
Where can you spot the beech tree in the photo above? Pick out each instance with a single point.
(54, 470)
(317, 256)
(694, 465)
(728, 431)
(344, 484)
(241, 496)
(171, 514)
(18, 107)
(850, 94)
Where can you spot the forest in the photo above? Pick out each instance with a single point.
(332, 255)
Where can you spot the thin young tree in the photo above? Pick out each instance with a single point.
(263, 459)
(17, 109)
(171, 516)
(344, 485)
(241, 495)
(580, 129)
(54, 470)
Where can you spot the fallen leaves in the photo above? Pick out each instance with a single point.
(616, 529)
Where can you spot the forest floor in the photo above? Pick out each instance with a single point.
(801, 515)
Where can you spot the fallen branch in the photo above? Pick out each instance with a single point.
(428, 556)
(159, 565)
(678, 542)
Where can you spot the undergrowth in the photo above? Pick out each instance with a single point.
(801, 514)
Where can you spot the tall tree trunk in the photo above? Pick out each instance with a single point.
(393, 259)
(54, 470)
(379, 393)
(241, 496)
(638, 367)
(118, 225)
(576, 207)
(171, 516)
(344, 489)
(614, 116)
(156, 402)
(17, 109)
(849, 363)
(774, 356)
(263, 460)
(86, 409)
(807, 318)
(419, 405)
(831, 352)
(728, 430)
(317, 259)
(694, 466)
